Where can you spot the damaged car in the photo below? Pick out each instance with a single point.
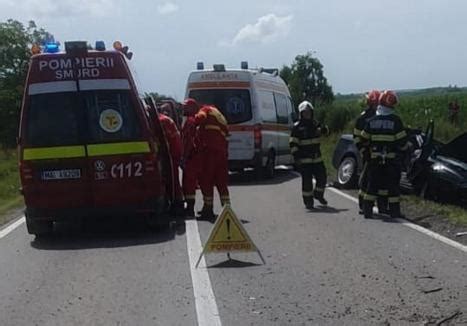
(432, 170)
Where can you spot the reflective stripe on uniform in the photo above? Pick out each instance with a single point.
(312, 141)
(317, 189)
(311, 160)
(208, 200)
(386, 155)
(357, 132)
(45, 153)
(383, 138)
(369, 197)
(394, 200)
(307, 193)
(118, 148)
(365, 135)
(214, 127)
(294, 140)
(294, 149)
(190, 196)
(401, 135)
(383, 192)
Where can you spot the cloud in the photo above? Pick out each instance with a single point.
(167, 8)
(63, 8)
(267, 29)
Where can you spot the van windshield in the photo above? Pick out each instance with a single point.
(235, 104)
(69, 118)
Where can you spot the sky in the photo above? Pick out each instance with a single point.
(363, 44)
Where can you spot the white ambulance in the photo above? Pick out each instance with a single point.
(258, 108)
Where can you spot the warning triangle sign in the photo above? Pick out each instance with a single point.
(228, 234)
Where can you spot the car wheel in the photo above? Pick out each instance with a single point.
(347, 172)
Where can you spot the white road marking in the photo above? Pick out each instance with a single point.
(206, 307)
(413, 226)
(11, 227)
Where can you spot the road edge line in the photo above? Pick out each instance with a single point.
(11, 227)
(411, 225)
(205, 301)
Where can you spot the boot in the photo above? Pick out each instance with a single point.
(207, 213)
(190, 208)
(323, 201)
(360, 204)
(383, 205)
(395, 210)
(309, 204)
(367, 209)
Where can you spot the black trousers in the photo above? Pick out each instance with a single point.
(383, 180)
(308, 172)
(363, 185)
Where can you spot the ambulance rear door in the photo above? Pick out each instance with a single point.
(54, 169)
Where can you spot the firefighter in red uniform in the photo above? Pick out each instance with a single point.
(175, 147)
(191, 158)
(212, 135)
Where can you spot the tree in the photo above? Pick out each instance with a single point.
(15, 44)
(306, 80)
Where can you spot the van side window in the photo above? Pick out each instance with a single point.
(282, 110)
(291, 110)
(267, 106)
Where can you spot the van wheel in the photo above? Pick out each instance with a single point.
(38, 227)
(270, 168)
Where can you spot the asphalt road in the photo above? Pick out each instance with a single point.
(327, 266)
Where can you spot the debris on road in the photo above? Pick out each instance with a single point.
(432, 291)
(451, 317)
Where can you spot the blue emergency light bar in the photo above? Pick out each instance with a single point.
(52, 47)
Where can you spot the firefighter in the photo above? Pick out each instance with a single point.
(385, 138)
(191, 161)
(212, 136)
(174, 142)
(305, 148)
(372, 101)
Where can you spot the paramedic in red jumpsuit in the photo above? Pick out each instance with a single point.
(175, 147)
(213, 147)
(191, 159)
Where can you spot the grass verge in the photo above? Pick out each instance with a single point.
(10, 199)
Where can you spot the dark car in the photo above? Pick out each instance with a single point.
(431, 169)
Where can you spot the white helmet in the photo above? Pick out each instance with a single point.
(305, 105)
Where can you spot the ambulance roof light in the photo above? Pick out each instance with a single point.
(51, 47)
(100, 46)
(244, 65)
(200, 65)
(76, 47)
(219, 67)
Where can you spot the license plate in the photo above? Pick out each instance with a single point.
(61, 174)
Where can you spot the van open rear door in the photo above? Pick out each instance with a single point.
(53, 161)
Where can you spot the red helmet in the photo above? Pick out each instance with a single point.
(389, 99)
(190, 106)
(372, 98)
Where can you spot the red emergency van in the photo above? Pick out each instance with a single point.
(86, 145)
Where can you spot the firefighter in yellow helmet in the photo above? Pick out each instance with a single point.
(305, 148)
